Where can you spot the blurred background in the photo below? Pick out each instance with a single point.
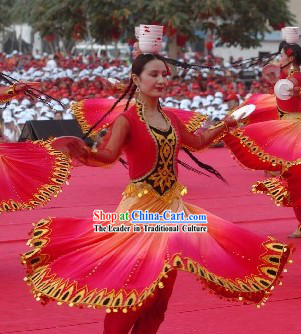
(71, 46)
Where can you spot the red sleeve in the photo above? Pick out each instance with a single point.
(110, 147)
(7, 93)
(199, 141)
(297, 76)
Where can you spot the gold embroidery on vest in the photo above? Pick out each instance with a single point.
(163, 177)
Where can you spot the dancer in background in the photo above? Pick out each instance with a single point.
(272, 141)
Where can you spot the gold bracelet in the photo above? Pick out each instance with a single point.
(227, 127)
(222, 123)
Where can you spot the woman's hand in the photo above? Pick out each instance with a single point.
(231, 122)
(74, 146)
(21, 87)
(296, 91)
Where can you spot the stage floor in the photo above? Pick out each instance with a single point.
(191, 310)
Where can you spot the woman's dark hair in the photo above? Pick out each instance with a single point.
(264, 60)
(137, 68)
(296, 51)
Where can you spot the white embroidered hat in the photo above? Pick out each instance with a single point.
(292, 35)
(150, 38)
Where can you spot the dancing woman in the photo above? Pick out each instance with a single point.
(275, 144)
(132, 274)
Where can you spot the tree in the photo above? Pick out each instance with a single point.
(233, 22)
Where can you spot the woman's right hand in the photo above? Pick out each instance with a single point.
(74, 146)
(21, 87)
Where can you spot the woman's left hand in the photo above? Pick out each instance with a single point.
(295, 91)
(231, 122)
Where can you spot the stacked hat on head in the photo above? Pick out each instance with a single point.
(291, 34)
(149, 38)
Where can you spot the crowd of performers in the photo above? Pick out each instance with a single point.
(132, 275)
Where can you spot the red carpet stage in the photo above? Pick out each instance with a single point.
(191, 310)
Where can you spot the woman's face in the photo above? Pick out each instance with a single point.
(285, 59)
(136, 51)
(152, 81)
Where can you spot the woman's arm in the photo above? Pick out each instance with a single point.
(7, 93)
(111, 146)
(197, 142)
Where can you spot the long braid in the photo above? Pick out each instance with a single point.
(204, 166)
(110, 110)
(187, 166)
(184, 65)
(130, 96)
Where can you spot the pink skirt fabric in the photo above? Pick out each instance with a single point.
(266, 108)
(274, 146)
(31, 173)
(71, 264)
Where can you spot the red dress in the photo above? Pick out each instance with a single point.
(273, 145)
(71, 264)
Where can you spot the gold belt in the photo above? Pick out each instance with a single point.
(288, 115)
(140, 189)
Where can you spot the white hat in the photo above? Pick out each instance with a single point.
(150, 38)
(21, 121)
(168, 104)
(14, 101)
(292, 35)
(6, 113)
(7, 119)
(49, 114)
(185, 104)
(58, 107)
(197, 98)
(20, 115)
(45, 108)
(65, 100)
(39, 104)
(67, 116)
(195, 104)
(219, 94)
(25, 102)
(217, 101)
(206, 103)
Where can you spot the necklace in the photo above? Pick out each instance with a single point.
(151, 120)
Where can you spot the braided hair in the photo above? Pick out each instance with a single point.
(137, 68)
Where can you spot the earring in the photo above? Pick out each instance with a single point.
(138, 89)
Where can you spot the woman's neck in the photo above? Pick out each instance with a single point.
(151, 103)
